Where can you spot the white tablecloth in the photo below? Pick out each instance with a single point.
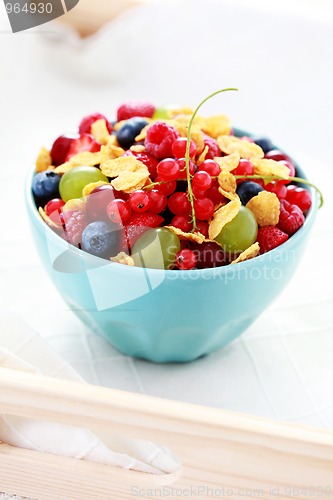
(282, 367)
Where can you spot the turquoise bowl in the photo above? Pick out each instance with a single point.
(166, 316)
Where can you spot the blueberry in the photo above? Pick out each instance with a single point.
(247, 189)
(100, 238)
(265, 143)
(45, 185)
(127, 133)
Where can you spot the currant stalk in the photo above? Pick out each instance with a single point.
(187, 154)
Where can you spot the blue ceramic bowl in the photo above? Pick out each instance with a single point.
(166, 316)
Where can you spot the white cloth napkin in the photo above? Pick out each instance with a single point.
(22, 349)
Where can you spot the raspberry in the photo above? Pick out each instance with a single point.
(135, 108)
(136, 226)
(74, 222)
(159, 140)
(291, 217)
(270, 237)
(213, 149)
(298, 196)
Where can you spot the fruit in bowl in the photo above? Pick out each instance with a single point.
(168, 232)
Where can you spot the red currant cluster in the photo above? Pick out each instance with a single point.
(182, 190)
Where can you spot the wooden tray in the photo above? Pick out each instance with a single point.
(223, 454)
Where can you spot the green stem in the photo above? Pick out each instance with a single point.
(270, 178)
(187, 154)
(152, 184)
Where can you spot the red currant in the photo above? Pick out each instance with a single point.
(202, 227)
(182, 168)
(118, 211)
(277, 188)
(201, 181)
(199, 194)
(139, 201)
(179, 147)
(168, 170)
(211, 167)
(213, 193)
(277, 155)
(53, 205)
(245, 167)
(179, 204)
(186, 259)
(299, 196)
(166, 188)
(183, 223)
(204, 208)
(98, 200)
(157, 201)
(213, 148)
(292, 170)
(53, 210)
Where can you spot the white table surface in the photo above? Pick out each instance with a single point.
(282, 367)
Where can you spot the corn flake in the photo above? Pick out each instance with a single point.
(202, 156)
(227, 182)
(222, 216)
(118, 125)
(112, 141)
(270, 167)
(177, 110)
(100, 132)
(266, 208)
(138, 148)
(249, 253)
(143, 134)
(74, 204)
(90, 187)
(196, 237)
(123, 258)
(85, 158)
(229, 162)
(216, 126)
(44, 160)
(62, 169)
(113, 167)
(246, 149)
(131, 181)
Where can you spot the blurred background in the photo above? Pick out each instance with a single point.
(279, 53)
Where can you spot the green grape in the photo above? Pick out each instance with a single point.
(240, 233)
(156, 249)
(162, 113)
(73, 181)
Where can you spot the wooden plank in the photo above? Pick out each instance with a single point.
(217, 449)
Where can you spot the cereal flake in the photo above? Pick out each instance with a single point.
(266, 208)
(249, 253)
(44, 160)
(222, 216)
(100, 132)
(246, 149)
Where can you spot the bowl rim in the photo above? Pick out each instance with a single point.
(282, 249)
